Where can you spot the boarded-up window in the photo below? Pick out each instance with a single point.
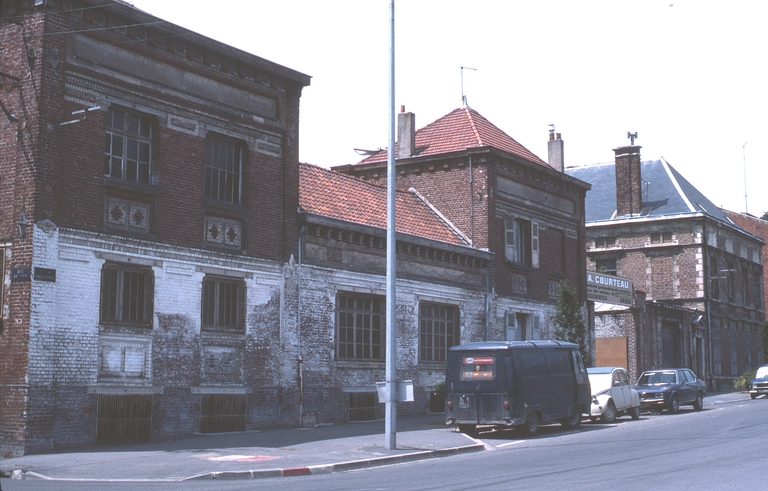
(222, 413)
(124, 419)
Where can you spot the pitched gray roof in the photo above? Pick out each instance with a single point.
(666, 193)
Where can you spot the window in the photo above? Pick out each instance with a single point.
(223, 305)
(438, 330)
(605, 242)
(606, 266)
(360, 327)
(223, 169)
(128, 150)
(126, 295)
(659, 237)
(521, 240)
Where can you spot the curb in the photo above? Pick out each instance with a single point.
(338, 467)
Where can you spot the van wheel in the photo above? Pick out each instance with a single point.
(531, 423)
(573, 420)
(468, 429)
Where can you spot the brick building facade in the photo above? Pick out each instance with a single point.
(155, 174)
(504, 199)
(700, 273)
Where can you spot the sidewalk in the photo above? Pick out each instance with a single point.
(264, 454)
(251, 455)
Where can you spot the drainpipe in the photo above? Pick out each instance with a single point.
(471, 205)
(487, 302)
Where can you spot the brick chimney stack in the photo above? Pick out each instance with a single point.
(629, 199)
(555, 147)
(406, 134)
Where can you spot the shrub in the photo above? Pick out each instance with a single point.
(742, 381)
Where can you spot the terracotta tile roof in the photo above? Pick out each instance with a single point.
(335, 195)
(459, 130)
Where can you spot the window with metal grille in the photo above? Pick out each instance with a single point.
(223, 305)
(128, 149)
(362, 406)
(223, 169)
(438, 330)
(123, 419)
(360, 327)
(126, 295)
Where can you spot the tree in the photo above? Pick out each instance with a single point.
(764, 342)
(569, 321)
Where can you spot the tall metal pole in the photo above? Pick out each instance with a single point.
(744, 158)
(390, 422)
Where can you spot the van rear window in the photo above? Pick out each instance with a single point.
(477, 368)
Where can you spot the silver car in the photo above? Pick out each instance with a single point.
(612, 394)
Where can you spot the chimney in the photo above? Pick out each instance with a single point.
(629, 199)
(406, 134)
(555, 147)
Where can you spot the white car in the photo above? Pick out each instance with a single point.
(612, 394)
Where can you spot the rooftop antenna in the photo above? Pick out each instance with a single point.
(463, 97)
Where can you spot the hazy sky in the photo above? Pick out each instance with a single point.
(689, 76)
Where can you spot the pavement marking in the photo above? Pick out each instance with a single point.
(510, 443)
(242, 458)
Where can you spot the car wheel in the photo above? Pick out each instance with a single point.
(753, 396)
(635, 412)
(468, 429)
(609, 415)
(574, 420)
(674, 405)
(698, 404)
(531, 423)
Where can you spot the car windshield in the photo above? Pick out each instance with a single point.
(762, 372)
(656, 378)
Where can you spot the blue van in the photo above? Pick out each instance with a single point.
(515, 384)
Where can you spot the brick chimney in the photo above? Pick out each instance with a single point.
(555, 147)
(629, 199)
(406, 134)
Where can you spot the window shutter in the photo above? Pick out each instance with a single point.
(535, 245)
(509, 239)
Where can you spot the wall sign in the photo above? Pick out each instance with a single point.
(21, 274)
(45, 274)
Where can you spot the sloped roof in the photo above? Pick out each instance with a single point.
(459, 130)
(332, 194)
(665, 192)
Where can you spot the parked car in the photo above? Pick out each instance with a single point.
(669, 388)
(612, 394)
(759, 384)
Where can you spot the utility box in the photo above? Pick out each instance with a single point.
(403, 391)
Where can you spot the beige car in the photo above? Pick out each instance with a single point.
(612, 394)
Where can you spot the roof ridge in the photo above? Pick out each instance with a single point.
(473, 125)
(456, 230)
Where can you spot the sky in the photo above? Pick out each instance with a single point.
(689, 76)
